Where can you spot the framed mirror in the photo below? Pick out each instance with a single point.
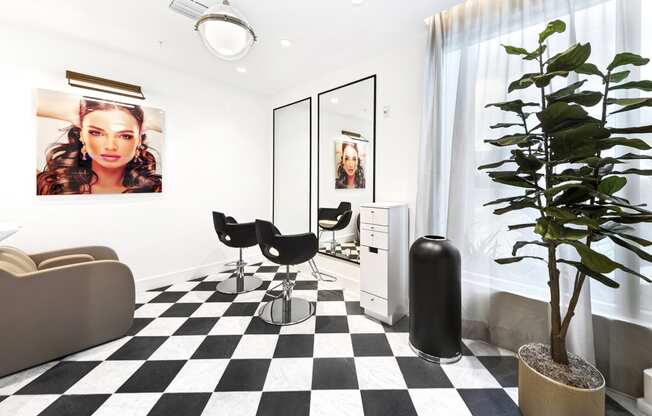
(346, 165)
(292, 167)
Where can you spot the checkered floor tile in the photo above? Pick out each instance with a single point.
(349, 251)
(193, 351)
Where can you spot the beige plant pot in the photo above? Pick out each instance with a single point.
(539, 395)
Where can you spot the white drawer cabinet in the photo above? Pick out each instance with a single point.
(383, 260)
(372, 215)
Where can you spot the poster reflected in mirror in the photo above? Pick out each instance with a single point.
(350, 158)
(95, 146)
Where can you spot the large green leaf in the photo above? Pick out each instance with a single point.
(495, 164)
(585, 98)
(612, 184)
(627, 58)
(544, 80)
(632, 130)
(509, 260)
(520, 226)
(511, 178)
(535, 54)
(573, 195)
(509, 140)
(506, 125)
(634, 171)
(630, 103)
(503, 200)
(550, 229)
(559, 115)
(515, 106)
(523, 82)
(605, 144)
(592, 259)
(573, 149)
(563, 92)
(515, 206)
(589, 69)
(514, 50)
(623, 234)
(639, 252)
(556, 26)
(631, 218)
(587, 130)
(572, 58)
(588, 272)
(638, 85)
(561, 188)
(619, 77)
(633, 156)
(527, 163)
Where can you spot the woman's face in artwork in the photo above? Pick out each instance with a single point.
(350, 160)
(111, 137)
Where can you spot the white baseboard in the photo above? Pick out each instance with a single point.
(181, 276)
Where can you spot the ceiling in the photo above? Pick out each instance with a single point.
(326, 34)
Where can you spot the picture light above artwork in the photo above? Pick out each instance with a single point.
(94, 83)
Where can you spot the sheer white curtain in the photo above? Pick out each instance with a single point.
(468, 68)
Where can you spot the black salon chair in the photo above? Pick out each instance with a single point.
(334, 219)
(236, 235)
(286, 250)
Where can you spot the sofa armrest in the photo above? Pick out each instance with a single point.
(97, 252)
(65, 261)
(51, 313)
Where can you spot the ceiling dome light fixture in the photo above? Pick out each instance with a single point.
(226, 32)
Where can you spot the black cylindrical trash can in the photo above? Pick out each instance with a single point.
(435, 300)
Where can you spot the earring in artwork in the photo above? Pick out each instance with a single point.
(83, 152)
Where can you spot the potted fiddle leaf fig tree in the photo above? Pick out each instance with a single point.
(568, 164)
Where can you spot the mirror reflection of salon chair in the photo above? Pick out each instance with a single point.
(334, 219)
(286, 250)
(236, 235)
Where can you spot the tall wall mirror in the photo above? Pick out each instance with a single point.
(346, 154)
(292, 167)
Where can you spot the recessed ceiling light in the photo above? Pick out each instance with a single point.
(335, 100)
(357, 2)
(286, 43)
(241, 69)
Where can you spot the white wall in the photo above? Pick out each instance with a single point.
(216, 158)
(399, 79)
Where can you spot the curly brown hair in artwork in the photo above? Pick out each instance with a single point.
(67, 171)
(341, 179)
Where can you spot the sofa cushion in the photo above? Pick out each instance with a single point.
(16, 261)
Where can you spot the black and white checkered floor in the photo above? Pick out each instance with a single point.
(193, 351)
(348, 251)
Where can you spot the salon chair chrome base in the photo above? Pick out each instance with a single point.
(240, 283)
(286, 310)
(319, 275)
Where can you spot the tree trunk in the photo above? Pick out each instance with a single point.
(558, 349)
(557, 339)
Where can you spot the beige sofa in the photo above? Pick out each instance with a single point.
(60, 302)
